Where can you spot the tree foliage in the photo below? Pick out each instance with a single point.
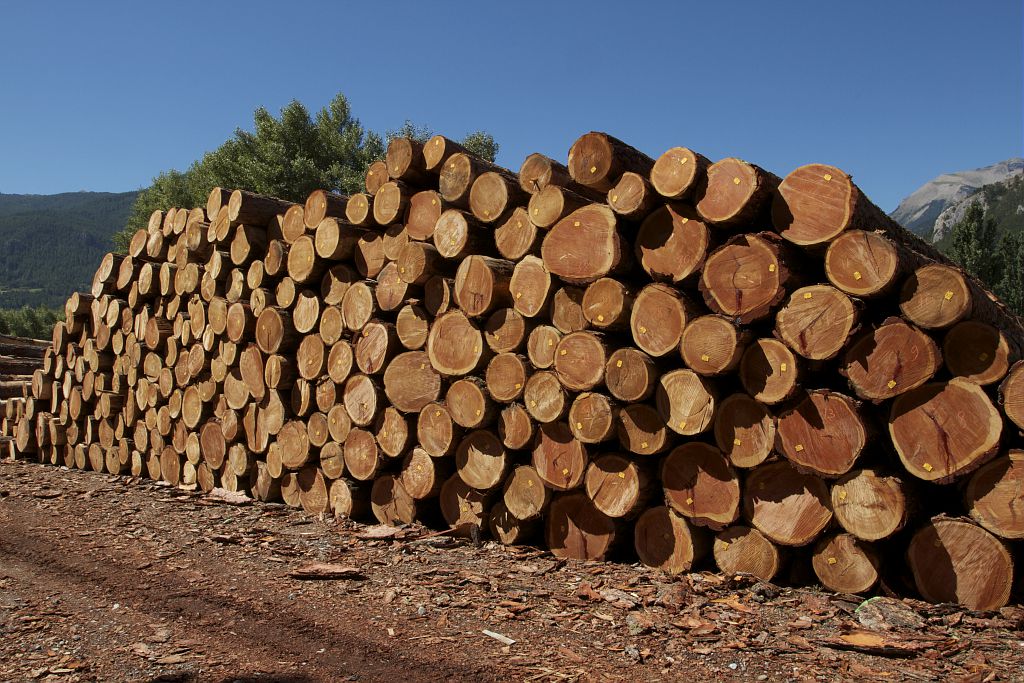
(974, 248)
(287, 156)
(30, 322)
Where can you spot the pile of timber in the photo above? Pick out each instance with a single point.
(669, 359)
(19, 358)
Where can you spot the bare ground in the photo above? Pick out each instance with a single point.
(106, 578)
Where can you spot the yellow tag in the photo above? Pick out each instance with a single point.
(736, 181)
(928, 467)
(949, 296)
(370, 173)
(401, 269)
(682, 424)
(497, 337)
(476, 349)
(799, 447)
(600, 318)
(622, 475)
(643, 444)
(419, 468)
(487, 212)
(808, 295)
(565, 470)
(579, 425)
(682, 161)
(437, 413)
(771, 267)
(576, 224)
(856, 275)
(519, 385)
(828, 176)
(533, 404)
(551, 342)
(618, 363)
(643, 330)
(615, 197)
(464, 508)
(452, 165)
(782, 367)
(433, 202)
(842, 495)
(519, 224)
(689, 501)
(832, 560)
(737, 442)
(437, 142)
(519, 295)
(529, 482)
(983, 356)
(422, 365)
(478, 412)
(383, 432)
(705, 357)
(593, 169)
(891, 384)
(562, 352)
(724, 545)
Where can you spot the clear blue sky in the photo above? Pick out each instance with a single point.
(104, 95)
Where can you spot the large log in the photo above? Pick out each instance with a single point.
(701, 485)
(597, 160)
(824, 433)
(668, 541)
(788, 507)
(993, 496)
(846, 564)
(743, 550)
(890, 360)
(735, 193)
(746, 277)
(586, 245)
(869, 504)
(817, 321)
(672, 243)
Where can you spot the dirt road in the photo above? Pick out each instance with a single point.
(106, 578)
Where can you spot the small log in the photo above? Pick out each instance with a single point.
(869, 504)
(593, 418)
(320, 204)
(339, 361)
(412, 324)
(544, 397)
(418, 262)
(686, 402)
(577, 530)
(293, 441)
(377, 344)
(892, 359)
(979, 352)
(597, 160)
(359, 210)
(937, 296)
(735, 192)
(480, 460)
(540, 346)
(744, 430)
(993, 495)
(459, 173)
(632, 197)
(701, 485)
(630, 375)
(641, 430)
(559, 458)
(678, 173)
(508, 530)
(470, 404)
(817, 321)
(668, 541)
(711, 345)
(746, 277)
(494, 194)
(506, 377)
(363, 399)
(552, 204)
(505, 330)
(517, 236)
(658, 318)
(391, 202)
(405, 161)
(334, 240)
(866, 264)
(619, 487)
(944, 430)
(482, 284)
(955, 561)
(254, 209)
(304, 266)
(586, 245)
(743, 550)
(539, 172)
(607, 304)
(438, 150)
(369, 256)
(363, 459)
(845, 564)
(530, 286)
(358, 306)
(422, 475)
(339, 424)
(425, 209)
(825, 433)
(672, 243)
(332, 460)
(464, 507)
(350, 499)
(436, 431)
(457, 236)
(391, 503)
(787, 506)
(525, 496)
(580, 359)
(376, 176)
(455, 346)
(515, 428)
(275, 332)
(410, 381)
(769, 371)
(437, 295)
(1011, 394)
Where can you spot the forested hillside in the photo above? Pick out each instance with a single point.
(50, 244)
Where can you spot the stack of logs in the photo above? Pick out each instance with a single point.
(673, 358)
(19, 359)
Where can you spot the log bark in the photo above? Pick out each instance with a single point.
(251, 208)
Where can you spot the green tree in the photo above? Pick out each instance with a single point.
(30, 322)
(481, 144)
(973, 241)
(1011, 286)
